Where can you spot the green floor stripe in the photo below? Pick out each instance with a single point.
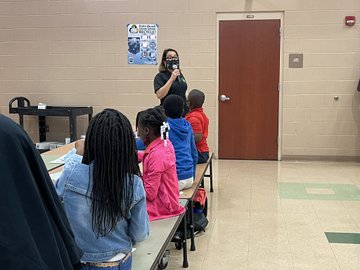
(319, 191)
(343, 238)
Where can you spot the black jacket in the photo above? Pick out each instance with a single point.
(34, 231)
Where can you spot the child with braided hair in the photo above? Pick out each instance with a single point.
(159, 166)
(103, 194)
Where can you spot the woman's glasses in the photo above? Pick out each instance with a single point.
(172, 58)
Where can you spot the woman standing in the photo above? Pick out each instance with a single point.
(170, 80)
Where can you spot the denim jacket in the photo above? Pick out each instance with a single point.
(72, 187)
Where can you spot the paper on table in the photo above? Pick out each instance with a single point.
(55, 176)
(60, 160)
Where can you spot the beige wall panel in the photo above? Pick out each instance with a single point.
(290, 128)
(318, 74)
(203, 46)
(75, 53)
(72, 47)
(322, 153)
(334, 60)
(204, 6)
(201, 32)
(319, 87)
(348, 114)
(326, 31)
(199, 73)
(19, 7)
(342, 101)
(296, 114)
(322, 141)
(336, 5)
(207, 86)
(331, 45)
(201, 18)
(355, 128)
(323, 114)
(336, 128)
(5, 35)
(309, 101)
(290, 101)
(24, 47)
(357, 72)
(317, 17)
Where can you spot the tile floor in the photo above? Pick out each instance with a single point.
(280, 215)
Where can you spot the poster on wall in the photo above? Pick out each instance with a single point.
(142, 44)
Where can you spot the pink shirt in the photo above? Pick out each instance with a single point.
(160, 180)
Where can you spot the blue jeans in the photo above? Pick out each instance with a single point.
(124, 265)
(202, 157)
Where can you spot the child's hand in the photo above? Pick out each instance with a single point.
(79, 146)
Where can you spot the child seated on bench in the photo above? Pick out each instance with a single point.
(159, 166)
(182, 137)
(199, 123)
(103, 194)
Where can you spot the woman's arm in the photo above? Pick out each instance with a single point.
(164, 90)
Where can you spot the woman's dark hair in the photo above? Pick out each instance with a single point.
(153, 119)
(162, 67)
(110, 147)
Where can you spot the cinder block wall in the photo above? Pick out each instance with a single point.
(74, 53)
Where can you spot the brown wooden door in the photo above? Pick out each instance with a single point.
(249, 58)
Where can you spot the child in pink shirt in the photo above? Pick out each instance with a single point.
(159, 166)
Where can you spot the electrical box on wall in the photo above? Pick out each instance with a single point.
(295, 60)
(349, 20)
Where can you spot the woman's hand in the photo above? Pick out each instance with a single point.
(174, 74)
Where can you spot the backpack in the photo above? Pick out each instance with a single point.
(200, 210)
(200, 220)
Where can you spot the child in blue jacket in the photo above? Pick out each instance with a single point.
(182, 137)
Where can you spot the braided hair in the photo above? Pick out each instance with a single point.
(153, 119)
(110, 147)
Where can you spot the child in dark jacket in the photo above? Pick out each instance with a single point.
(182, 138)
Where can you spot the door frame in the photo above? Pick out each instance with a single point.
(251, 16)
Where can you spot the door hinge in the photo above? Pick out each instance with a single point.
(278, 87)
(280, 31)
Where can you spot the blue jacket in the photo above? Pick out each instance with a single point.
(182, 137)
(72, 187)
(139, 144)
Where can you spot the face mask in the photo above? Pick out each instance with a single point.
(172, 64)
